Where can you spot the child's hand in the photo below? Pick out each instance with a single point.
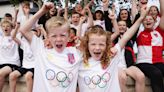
(86, 9)
(47, 44)
(144, 11)
(17, 26)
(47, 6)
(82, 19)
(111, 15)
(113, 51)
(60, 9)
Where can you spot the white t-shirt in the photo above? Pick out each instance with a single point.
(84, 28)
(92, 78)
(9, 51)
(122, 63)
(54, 71)
(1, 32)
(28, 57)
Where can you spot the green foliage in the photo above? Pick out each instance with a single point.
(14, 2)
(73, 1)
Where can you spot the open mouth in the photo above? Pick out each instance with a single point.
(76, 21)
(143, 3)
(148, 24)
(5, 30)
(97, 53)
(59, 46)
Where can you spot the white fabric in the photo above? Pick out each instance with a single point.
(120, 4)
(100, 23)
(154, 3)
(122, 63)
(1, 32)
(135, 48)
(157, 40)
(142, 57)
(9, 51)
(84, 28)
(28, 57)
(92, 78)
(51, 65)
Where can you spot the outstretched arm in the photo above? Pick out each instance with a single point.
(134, 10)
(15, 16)
(113, 17)
(90, 17)
(15, 31)
(162, 14)
(25, 29)
(88, 5)
(66, 10)
(132, 30)
(82, 19)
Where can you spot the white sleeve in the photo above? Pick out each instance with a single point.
(116, 58)
(37, 44)
(117, 46)
(19, 19)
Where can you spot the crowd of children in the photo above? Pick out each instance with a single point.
(86, 50)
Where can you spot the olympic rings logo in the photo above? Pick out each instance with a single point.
(97, 80)
(6, 47)
(59, 79)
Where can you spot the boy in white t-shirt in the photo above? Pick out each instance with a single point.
(25, 5)
(56, 69)
(27, 69)
(99, 70)
(9, 56)
(81, 27)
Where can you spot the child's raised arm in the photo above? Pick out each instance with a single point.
(26, 28)
(66, 10)
(15, 33)
(132, 30)
(113, 17)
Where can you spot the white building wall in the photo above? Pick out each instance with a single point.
(6, 9)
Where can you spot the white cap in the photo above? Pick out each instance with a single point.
(154, 3)
(99, 8)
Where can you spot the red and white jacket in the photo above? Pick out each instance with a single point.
(150, 46)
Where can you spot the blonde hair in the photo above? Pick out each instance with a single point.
(105, 59)
(56, 21)
(7, 21)
(26, 3)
